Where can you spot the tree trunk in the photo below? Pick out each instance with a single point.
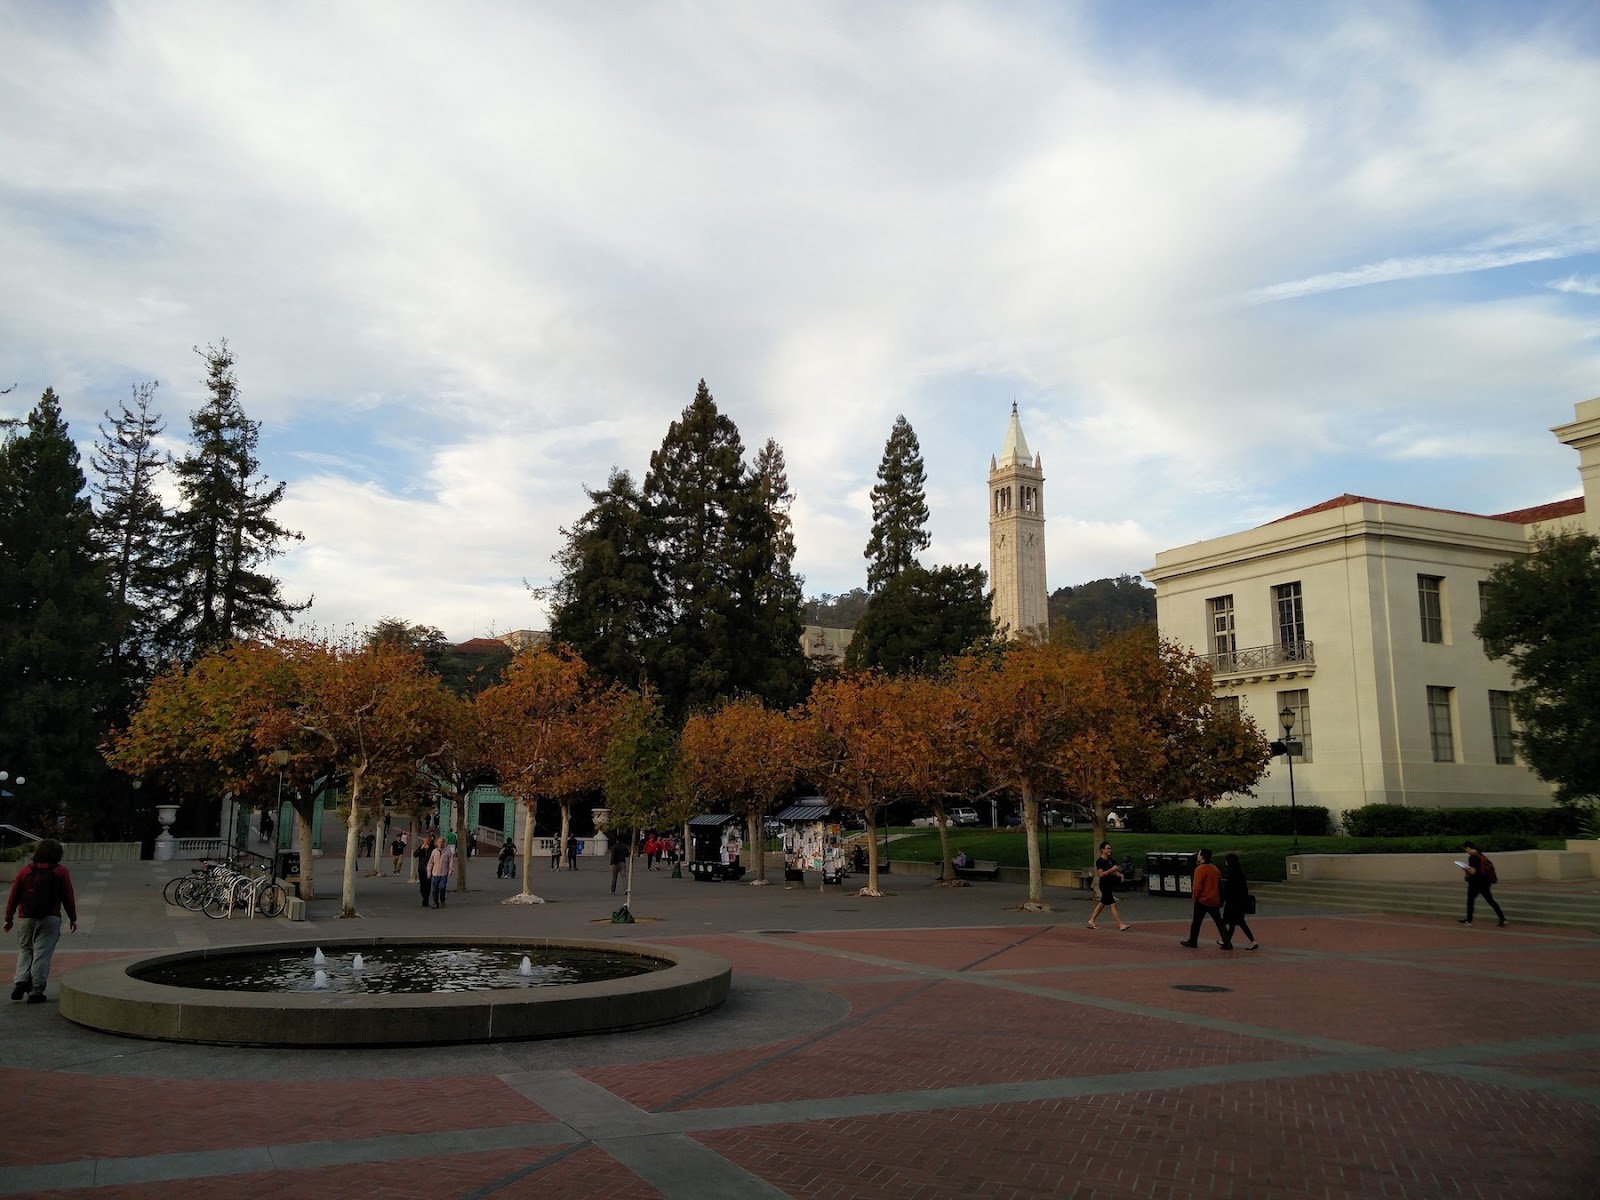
(872, 853)
(461, 840)
(302, 822)
(756, 819)
(352, 846)
(527, 848)
(566, 832)
(412, 834)
(1030, 821)
(948, 870)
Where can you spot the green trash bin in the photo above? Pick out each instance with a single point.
(1154, 877)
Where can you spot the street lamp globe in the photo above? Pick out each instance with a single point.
(1286, 719)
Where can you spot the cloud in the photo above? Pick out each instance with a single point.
(1587, 285)
(470, 261)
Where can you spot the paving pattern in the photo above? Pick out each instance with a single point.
(935, 1043)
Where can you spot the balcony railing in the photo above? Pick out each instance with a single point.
(1264, 662)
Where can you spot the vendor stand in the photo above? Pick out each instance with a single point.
(715, 846)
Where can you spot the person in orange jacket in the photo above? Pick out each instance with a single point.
(1207, 902)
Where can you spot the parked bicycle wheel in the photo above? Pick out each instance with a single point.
(218, 901)
(272, 900)
(192, 890)
(170, 892)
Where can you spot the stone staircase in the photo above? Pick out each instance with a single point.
(1577, 908)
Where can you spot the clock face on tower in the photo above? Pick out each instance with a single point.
(1027, 539)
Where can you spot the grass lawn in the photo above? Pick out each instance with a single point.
(1262, 857)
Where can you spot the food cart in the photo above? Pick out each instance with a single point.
(715, 847)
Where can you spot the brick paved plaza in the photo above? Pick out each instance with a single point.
(932, 1043)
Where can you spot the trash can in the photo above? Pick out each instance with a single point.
(1183, 866)
(288, 869)
(1154, 877)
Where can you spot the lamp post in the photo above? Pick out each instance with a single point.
(1286, 719)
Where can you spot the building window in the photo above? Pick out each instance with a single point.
(1299, 703)
(1291, 616)
(1228, 704)
(1483, 597)
(1222, 642)
(1430, 598)
(1500, 727)
(1441, 724)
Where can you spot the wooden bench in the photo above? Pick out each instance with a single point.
(979, 870)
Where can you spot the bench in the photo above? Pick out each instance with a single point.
(979, 870)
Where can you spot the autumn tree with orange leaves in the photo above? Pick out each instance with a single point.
(853, 741)
(546, 728)
(740, 756)
(374, 716)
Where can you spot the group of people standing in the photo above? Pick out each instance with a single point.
(435, 857)
(659, 846)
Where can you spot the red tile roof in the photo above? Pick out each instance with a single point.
(481, 646)
(1520, 516)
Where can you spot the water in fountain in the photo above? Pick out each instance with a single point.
(318, 958)
(398, 969)
(358, 964)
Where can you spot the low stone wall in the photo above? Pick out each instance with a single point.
(1055, 877)
(1513, 866)
(79, 852)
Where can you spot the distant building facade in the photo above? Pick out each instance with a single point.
(1357, 615)
(1016, 537)
(825, 642)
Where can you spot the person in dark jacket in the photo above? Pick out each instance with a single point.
(40, 892)
(422, 853)
(1479, 882)
(1235, 900)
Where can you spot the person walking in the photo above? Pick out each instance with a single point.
(619, 860)
(397, 850)
(1207, 890)
(1481, 877)
(1107, 872)
(505, 867)
(652, 848)
(423, 855)
(555, 853)
(572, 854)
(1235, 900)
(38, 895)
(439, 864)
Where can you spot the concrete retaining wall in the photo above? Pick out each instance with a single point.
(1513, 866)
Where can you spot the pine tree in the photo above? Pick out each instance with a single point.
(59, 625)
(899, 508)
(223, 530)
(780, 595)
(131, 522)
(605, 604)
(920, 618)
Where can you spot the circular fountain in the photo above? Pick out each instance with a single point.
(406, 991)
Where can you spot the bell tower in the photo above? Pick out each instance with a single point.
(1016, 537)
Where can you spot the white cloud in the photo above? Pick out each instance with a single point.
(470, 260)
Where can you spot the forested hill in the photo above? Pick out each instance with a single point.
(1104, 607)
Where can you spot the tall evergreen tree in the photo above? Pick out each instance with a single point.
(59, 625)
(780, 595)
(605, 605)
(132, 521)
(899, 508)
(920, 618)
(223, 531)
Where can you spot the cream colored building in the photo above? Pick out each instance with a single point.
(1357, 615)
(1016, 536)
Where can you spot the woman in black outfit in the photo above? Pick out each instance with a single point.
(1235, 896)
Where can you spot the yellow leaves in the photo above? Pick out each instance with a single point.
(740, 753)
(545, 726)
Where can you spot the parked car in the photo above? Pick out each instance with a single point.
(924, 822)
(962, 816)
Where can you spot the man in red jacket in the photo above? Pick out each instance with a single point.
(41, 890)
(1207, 902)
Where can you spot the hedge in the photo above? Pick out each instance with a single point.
(1267, 820)
(1394, 820)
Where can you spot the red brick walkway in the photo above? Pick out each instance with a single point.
(1351, 1057)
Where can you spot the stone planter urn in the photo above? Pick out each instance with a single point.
(166, 847)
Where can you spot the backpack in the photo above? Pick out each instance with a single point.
(1486, 872)
(39, 892)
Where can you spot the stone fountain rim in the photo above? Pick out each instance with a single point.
(105, 996)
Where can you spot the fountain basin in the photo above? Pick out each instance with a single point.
(108, 997)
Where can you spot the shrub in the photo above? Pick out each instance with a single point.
(1266, 820)
(1394, 820)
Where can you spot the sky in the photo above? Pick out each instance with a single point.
(1228, 259)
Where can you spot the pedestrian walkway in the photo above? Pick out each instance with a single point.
(933, 1043)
